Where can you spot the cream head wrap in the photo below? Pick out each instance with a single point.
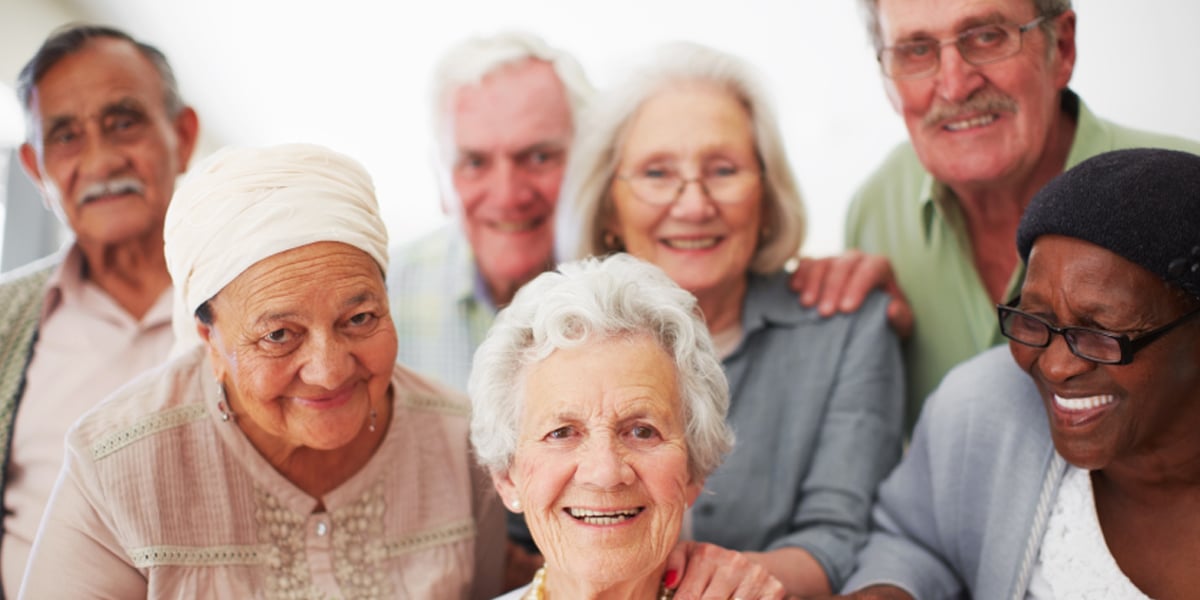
(242, 205)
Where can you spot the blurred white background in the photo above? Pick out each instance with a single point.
(354, 74)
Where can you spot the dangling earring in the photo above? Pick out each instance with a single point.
(226, 414)
(371, 423)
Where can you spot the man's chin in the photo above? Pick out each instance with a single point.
(967, 167)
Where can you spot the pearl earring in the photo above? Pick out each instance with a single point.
(516, 505)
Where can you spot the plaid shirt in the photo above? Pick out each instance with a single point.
(440, 312)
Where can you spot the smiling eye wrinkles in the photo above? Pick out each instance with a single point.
(271, 321)
(124, 111)
(540, 154)
(60, 129)
(561, 433)
(1090, 317)
(122, 116)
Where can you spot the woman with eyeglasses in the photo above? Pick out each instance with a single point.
(682, 165)
(1079, 478)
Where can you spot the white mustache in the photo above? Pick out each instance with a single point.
(986, 101)
(121, 185)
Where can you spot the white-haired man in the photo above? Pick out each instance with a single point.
(505, 108)
(505, 111)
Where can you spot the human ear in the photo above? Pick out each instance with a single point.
(507, 489)
(1064, 26)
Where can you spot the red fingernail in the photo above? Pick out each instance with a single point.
(672, 578)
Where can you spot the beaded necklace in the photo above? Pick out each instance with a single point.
(537, 589)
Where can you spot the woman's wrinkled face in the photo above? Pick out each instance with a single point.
(601, 467)
(304, 345)
(1101, 414)
(693, 131)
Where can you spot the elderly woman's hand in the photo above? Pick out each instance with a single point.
(707, 571)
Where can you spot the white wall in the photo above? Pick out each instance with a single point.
(353, 74)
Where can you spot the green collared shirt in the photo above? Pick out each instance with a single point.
(902, 213)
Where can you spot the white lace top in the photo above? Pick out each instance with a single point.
(1074, 561)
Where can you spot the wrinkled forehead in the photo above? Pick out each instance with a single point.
(102, 68)
(1092, 277)
(102, 74)
(518, 104)
(905, 19)
(323, 269)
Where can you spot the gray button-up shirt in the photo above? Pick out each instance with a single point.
(817, 406)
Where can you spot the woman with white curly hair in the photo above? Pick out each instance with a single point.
(599, 408)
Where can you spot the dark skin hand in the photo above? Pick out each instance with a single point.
(841, 283)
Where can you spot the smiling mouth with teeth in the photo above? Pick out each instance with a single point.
(979, 121)
(517, 226)
(1087, 403)
(692, 244)
(598, 517)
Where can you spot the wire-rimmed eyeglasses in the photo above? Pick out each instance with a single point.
(978, 45)
(1095, 345)
(664, 186)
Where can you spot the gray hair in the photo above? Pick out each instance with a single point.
(586, 204)
(1044, 8)
(473, 59)
(588, 300)
(70, 39)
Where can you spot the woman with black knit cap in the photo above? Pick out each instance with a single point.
(1079, 478)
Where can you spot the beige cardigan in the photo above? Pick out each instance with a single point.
(161, 498)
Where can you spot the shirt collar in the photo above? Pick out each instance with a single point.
(467, 283)
(479, 291)
(938, 201)
(66, 279)
(66, 285)
(764, 306)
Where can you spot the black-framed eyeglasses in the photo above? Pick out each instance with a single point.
(661, 187)
(1095, 345)
(978, 45)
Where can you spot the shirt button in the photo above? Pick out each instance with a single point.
(322, 528)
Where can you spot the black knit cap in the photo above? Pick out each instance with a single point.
(1141, 204)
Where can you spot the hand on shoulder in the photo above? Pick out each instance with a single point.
(841, 283)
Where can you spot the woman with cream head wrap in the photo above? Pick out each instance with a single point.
(282, 453)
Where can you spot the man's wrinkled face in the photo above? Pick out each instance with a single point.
(103, 149)
(511, 133)
(979, 124)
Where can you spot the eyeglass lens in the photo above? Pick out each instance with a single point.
(978, 46)
(724, 187)
(1087, 344)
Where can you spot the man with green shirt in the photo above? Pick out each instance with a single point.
(982, 88)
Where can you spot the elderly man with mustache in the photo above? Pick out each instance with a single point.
(982, 88)
(107, 133)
